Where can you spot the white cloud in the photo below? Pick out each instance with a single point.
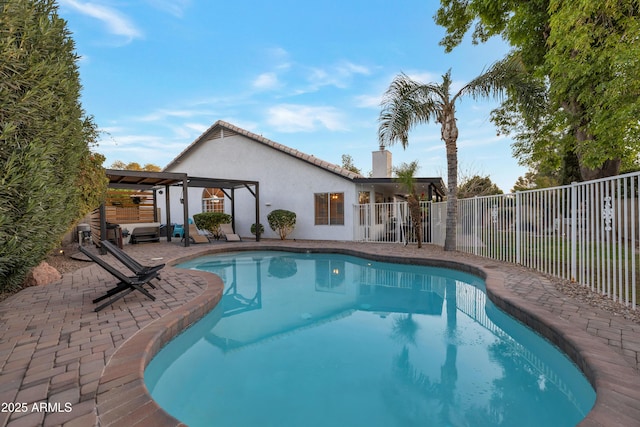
(350, 68)
(116, 22)
(304, 118)
(266, 81)
(425, 77)
(140, 148)
(160, 115)
(173, 7)
(197, 127)
(278, 55)
(339, 75)
(368, 101)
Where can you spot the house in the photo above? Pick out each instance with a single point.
(326, 198)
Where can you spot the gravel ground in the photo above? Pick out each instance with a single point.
(60, 261)
(594, 299)
(64, 263)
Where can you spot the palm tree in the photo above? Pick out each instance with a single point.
(407, 103)
(406, 174)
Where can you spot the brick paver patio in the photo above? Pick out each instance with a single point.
(63, 364)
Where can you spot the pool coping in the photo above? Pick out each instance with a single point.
(123, 399)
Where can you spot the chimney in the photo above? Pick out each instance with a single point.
(381, 163)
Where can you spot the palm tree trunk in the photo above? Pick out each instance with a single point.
(450, 137)
(416, 217)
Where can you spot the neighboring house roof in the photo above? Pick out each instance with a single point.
(222, 128)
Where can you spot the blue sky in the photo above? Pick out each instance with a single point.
(157, 73)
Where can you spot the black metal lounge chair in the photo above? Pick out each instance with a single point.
(129, 261)
(126, 285)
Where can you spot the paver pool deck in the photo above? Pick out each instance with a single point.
(82, 368)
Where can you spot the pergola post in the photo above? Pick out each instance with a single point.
(168, 210)
(185, 209)
(257, 196)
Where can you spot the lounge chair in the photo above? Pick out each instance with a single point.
(227, 230)
(126, 284)
(195, 236)
(129, 261)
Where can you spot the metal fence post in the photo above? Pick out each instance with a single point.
(518, 228)
(574, 230)
(475, 229)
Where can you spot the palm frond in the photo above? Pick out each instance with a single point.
(405, 104)
(507, 77)
(406, 175)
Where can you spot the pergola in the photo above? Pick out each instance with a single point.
(432, 188)
(145, 180)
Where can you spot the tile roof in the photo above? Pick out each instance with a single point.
(220, 124)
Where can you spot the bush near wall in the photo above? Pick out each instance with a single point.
(48, 175)
(211, 221)
(282, 221)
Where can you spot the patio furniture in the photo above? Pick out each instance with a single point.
(178, 230)
(195, 236)
(114, 233)
(227, 230)
(145, 234)
(126, 284)
(129, 261)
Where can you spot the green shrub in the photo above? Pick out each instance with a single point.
(211, 221)
(48, 175)
(282, 221)
(260, 229)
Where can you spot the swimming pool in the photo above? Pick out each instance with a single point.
(325, 339)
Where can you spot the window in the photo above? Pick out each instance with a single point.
(364, 197)
(212, 200)
(329, 208)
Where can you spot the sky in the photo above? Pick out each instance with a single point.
(310, 75)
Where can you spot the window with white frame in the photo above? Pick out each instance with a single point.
(212, 200)
(329, 208)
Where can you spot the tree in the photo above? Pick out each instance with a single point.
(478, 186)
(135, 166)
(405, 174)
(587, 53)
(407, 103)
(347, 163)
(48, 174)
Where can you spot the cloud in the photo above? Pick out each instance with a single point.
(291, 118)
(424, 77)
(160, 115)
(173, 7)
(278, 54)
(197, 127)
(339, 75)
(116, 22)
(350, 68)
(266, 81)
(140, 148)
(368, 101)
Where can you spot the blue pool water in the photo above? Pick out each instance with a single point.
(333, 340)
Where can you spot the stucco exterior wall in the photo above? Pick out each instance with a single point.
(286, 182)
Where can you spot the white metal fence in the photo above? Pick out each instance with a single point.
(586, 232)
